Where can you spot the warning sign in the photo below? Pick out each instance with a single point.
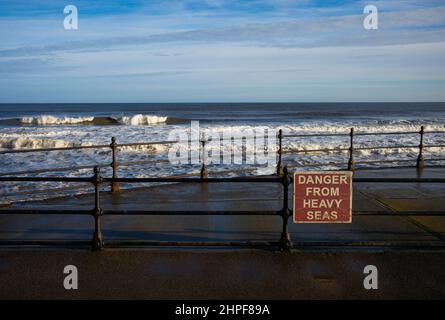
(323, 197)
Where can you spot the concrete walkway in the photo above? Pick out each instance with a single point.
(228, 273)
(203, 274)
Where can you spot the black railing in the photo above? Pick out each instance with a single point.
(97, 212)
(351, 162)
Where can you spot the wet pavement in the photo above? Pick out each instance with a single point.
(204, 274)
(414, 269)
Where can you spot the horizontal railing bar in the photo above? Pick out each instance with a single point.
(47, 211)
(135, 144)
(399, 180)
(148, 243)
(190, 213)
(260, 179)
(131, 144)
(132, 163)
(386, 133)
(384, 161)
(78, 187)
(54, 149)
(266, 213)
(48, 242)
(361, 168)
(386, 147)
(358, 162)
(196, 180)
(288, 151)
(396, 180)
(175, 178)
(47, 179)
(296, 135)
(400, 213)
(185, 175)
(302, 244)
(54, 169)
(204, 213)
(233, 170)
(315, 164)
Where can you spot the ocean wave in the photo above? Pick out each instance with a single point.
(137, 128)
(52, 120)
(131, 120)
(28, 142)
(377, 127)
(142, 119)
(33, 143)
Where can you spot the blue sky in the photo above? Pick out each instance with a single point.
(222, 50)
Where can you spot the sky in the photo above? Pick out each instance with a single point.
(221, 51)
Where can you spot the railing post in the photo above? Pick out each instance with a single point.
(285, 241)
(204, 172)
(114, 185)
(351, 162)
(280, 153)
(97, 242)
(420, 158)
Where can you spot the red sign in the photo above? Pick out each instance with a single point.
(323, 197)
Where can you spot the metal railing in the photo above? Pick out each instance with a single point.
(349, 164)
(351, 161)
(97, 212)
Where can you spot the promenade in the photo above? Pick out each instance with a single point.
(408, 250)
(381, 197)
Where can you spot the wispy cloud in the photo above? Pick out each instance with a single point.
(403, 27)
(270, 49)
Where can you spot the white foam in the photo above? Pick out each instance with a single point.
(33, 143)
(133, 120)
(138, 128)
(51, 120)
(142, 119)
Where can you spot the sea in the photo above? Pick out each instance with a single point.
(37, 126)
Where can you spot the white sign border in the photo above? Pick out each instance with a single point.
(349, 173)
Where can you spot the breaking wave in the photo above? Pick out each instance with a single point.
(27, 142)
(131, 120)
(141, 119)
(55, 132)
(33, 143)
